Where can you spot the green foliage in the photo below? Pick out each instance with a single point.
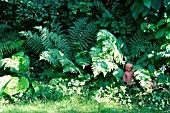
(140, 44)
(116, 19)
(83, 59)
(13, 85)
(148, 8)
(106, 53)
(16, 85)
(81, 6)
(9, 40)
(56, 58)
(82, 34)
(46, 40)
(18, 63)
(77, 55)
(3, 82)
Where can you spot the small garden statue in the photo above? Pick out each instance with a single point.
(128, 74)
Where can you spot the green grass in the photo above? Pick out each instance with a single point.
(71, 106)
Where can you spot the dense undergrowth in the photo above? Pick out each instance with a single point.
(57, 48)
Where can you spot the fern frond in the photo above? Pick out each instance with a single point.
(138, 44)
(57, 58)
(83, 33)
(9, 40)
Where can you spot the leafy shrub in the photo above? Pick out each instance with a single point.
(106, 54)
(13, 85)
(18, 63)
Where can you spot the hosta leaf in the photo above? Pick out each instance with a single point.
(3, 82)
(16, 85)
(12, 87)
(23, 84)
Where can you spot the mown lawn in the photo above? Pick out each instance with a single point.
(71, 106)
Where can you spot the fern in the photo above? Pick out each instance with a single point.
(46, 39)
(83, 34)
(9, 40)
(57, 58)
(138, 44)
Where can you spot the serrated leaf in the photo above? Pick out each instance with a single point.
(147, 3)
(160, 33)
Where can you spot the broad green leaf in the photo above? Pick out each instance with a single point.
(21, 42)
(160, 33)
(167, 34)
(143, 26)
(23, 84)
(147, 3)
(156, 4)
(152, 26)
(136, 9)
(151, 68)
(12, 87)
(4, 80)
(19, 54)
(160, 23)
(166, 4)
(16, 85)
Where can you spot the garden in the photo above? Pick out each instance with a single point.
(70, 56)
